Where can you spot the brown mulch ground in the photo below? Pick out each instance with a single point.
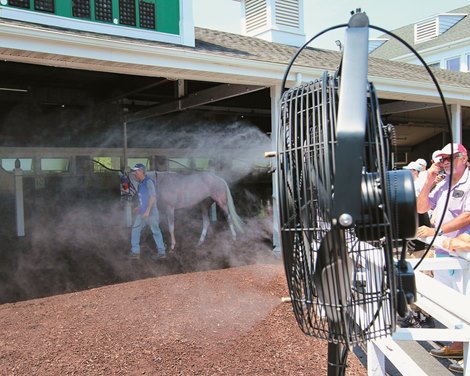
(220, 322)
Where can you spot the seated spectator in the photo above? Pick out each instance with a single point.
(414, 168)
(455, 220)
(459, 243)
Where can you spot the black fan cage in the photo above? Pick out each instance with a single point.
(355, 300)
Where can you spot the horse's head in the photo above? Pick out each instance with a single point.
(127, 186)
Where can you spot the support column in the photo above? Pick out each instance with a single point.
(19, 198)
(275, 111)
(456, 119)
(127, 205)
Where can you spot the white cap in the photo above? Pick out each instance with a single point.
(422, 162)
(436, 156)
(456, 148)
(412, 166)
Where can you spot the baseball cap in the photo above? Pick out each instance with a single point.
(422, 162)
(412, 166)
(138, 166)
(457, 148)
(436, 156)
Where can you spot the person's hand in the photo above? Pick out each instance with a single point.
(460, 243)
(433, 171)
(425, 231)
(439, 178)
(146, 214)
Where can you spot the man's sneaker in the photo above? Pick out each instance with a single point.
(158, 257)
(457, 367)
(447, 352)
(133, 256)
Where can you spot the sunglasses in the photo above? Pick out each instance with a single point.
(449, 157)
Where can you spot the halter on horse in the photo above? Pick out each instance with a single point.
(177, 191)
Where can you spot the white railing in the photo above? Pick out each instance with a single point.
(445, 304)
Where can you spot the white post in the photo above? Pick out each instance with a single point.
(213, 208)
(128, 213)
(275, 114)
(456, 114)
(375, 360)
(18, 174)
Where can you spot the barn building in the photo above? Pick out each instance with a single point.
(126, 81)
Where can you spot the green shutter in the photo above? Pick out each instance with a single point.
(159, 15)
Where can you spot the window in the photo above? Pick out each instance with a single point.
(81, 9)
(202, 164)
(19, 3)
(8, 164)
(400, 158)
(55, 164)
(468, 63)
(105, 164)
(453, 64)
(435, 65)
(179, 164)
(44, 5)
(132, 161)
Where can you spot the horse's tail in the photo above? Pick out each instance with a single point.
(236, 220)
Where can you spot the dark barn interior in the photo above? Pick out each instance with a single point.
(76, 235)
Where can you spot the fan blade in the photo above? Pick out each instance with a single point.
(333, 274)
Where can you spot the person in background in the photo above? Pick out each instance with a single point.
(422, 164)
(455, 220)
(460, 243)
(417, 318)
(415, 168)
(146, 214)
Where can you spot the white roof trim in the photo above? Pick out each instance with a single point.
(29, 44)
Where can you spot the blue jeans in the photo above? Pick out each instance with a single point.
(139, 224)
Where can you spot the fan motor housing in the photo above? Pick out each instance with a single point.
(401, 198)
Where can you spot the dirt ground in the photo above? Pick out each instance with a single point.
(71, 303)
(221, 322)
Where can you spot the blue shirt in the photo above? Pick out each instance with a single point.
(146, 189)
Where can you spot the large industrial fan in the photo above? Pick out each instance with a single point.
(344, 212)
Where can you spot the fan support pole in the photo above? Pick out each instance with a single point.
(351, 127)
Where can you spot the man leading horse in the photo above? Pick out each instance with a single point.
(178, 191)
(146, 214)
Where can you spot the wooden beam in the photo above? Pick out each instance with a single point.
(199, 98)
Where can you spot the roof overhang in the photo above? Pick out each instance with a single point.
(29, 43)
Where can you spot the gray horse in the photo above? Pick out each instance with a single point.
(178, 191)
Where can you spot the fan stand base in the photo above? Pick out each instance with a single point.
(337, 359)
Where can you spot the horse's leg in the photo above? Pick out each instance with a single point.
(224, 207)
(170, 215)
(231, 226)
(205, 223)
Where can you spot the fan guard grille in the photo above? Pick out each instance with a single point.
(355, 302)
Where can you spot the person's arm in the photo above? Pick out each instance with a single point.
(152, 198)
(462, 220)
(460, 243)
(423, 203)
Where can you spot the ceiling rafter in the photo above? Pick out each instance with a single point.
(196, 99)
